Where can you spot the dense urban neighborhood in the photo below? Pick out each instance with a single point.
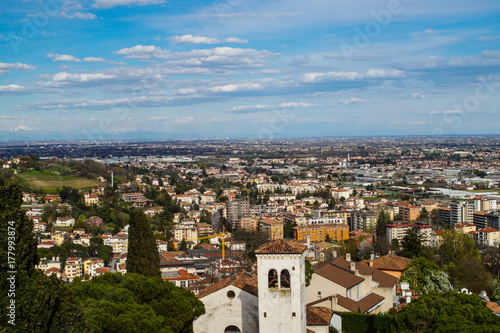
(362, 227)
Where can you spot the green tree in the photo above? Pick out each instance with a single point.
(42, 304)
(456, 246)
(447, 312)
(412, 243)
(142, 257)
(134, 303)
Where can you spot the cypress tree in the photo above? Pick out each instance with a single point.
(142, 257)
(41, 304)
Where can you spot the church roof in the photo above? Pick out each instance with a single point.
(244, 281)
(281, 246)
(320, 315)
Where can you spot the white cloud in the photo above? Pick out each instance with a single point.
(354, 100)
(184, 120)
(9, 67)
(352, 76)
(429, 32)
(114, 3)
(235, 40)
(235, 87)
(446, 112)
(94, 59)
(150, 52)
(23, 128)
(64, 78)
(262, 108)
(491, 54)
(487, 38)
(78, 15)
(417, 95)
(194, 39)
(12, 88)
(63, 57)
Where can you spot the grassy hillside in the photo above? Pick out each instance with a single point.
(50, 181)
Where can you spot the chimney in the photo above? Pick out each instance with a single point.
(372, 255)
(308, 241)
(348, 256)
(353, 266)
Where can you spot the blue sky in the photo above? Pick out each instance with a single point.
(124, 69)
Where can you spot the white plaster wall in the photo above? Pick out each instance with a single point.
(325, 286)
(221, 312)
(388, 294)
(279, 304)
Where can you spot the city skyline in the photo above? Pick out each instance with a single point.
(154, 69)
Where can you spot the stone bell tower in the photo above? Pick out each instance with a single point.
(282, 287)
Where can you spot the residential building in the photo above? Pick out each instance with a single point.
(485, 205)
(64, 222)
(363, 221)
(398, 231)
(118, 243)
(236, 209)
(186, 232)
(272, 228)
(461, 212)
(94, 221)
(409, 213)
(90, 199)
(318, 233)
(488, 237)
(343, 285)
(73, 268)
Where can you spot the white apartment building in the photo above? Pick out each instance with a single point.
(398, 231)
(118, 243)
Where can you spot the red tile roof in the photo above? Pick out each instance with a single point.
(318, 316)
(244, 281)
(281, 246)
(390, 262)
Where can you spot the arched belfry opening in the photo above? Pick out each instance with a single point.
(272, 279)
(232, 329)
(285, 279)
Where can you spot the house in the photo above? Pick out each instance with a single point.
(390, 264)
(90, 199)
(73, 268)
(180, 278)
(94, 221)
(488, 237)
(64, 222)
(90, 266)
(119, 243)
(101, 270)
(343, 285)
(152, 211)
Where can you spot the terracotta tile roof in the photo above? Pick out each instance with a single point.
(245, 281)
(390, 262)
(167, 256)
(101, 270)
(207, 246)
(493, 306)
(363, 305)
(320, 315)
(338, 275)
(281, 246)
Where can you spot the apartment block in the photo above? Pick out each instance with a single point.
(318, 233)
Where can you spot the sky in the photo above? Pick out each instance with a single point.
(160, 69)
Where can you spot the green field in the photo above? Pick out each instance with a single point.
(50, 181)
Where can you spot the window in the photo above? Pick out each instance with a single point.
(272, 279)
(285, 279)
(232, 328)
(231, 294)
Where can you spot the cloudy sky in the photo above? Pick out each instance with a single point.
(111, 69)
